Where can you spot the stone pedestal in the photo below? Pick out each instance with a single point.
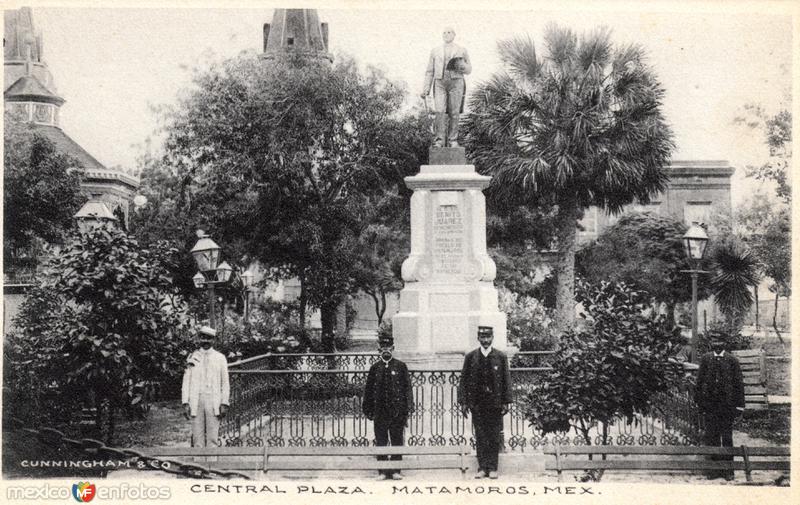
(449, 289)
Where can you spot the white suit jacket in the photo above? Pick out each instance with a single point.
(216, 371)
(436, 64)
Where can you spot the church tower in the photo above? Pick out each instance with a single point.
(30, 99)
(296, 31)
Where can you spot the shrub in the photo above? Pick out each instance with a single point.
(728, 333)
(612, 367)
(528, 323)
(103, 322)
(272, 328)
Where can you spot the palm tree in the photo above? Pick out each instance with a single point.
(581, 126)
(735, 271)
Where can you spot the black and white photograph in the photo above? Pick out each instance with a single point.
(367, 252)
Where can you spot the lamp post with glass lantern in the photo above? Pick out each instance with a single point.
(695, 241)
(206, 255)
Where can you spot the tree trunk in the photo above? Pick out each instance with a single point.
(328, 318)
(671, 314)
(303, 302)
(755, 293)
(565, 270)
(383, 308)
(775, 321)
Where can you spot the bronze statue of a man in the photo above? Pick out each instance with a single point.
(447, 66)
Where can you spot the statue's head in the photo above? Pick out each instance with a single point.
(448, 34)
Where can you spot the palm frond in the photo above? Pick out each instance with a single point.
(594, 52)
(518, 54)
(561, 44)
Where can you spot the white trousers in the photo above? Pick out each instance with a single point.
(205, 425)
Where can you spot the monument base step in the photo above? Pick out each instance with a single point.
(431, 360)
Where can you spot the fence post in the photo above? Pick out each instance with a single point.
(747, 468)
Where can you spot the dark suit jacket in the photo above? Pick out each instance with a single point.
(470, 389)
(400, 402)
(720, 387)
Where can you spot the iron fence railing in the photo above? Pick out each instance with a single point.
(356, 361)
(307, 361)
(322, 407)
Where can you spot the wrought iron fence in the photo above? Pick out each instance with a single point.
(323, 408)
(307, 361)
(356, 361)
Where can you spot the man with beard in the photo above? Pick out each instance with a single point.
(388, 401)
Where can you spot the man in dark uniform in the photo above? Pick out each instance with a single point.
(720, 396)
(388, 401)
(485, 390)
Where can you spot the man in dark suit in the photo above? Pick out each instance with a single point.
(388, 401)
(720, 396)
(485, 391)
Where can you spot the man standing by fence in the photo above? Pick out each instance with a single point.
(485, 391)
(388, 401)
(720, 397)
(205, 391)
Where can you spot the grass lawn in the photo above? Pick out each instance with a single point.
(773, 424)
(163, 426)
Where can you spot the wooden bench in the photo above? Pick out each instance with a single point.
(652, 458)
(265, 459)
(753, 365)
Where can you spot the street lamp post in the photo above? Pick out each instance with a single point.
(694, 243)
(206, 255)
(212, 273)
(247, 281)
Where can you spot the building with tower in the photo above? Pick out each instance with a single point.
(32, 100)
(296, 31)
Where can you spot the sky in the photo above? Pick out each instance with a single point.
(112, 64)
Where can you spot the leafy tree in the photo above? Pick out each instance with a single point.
(579, 127)
(42, 191)
(613, 368)
(164, 217)
(767, 224)
(383, 250)
(280, 159)
(777, 131)
(514, 235)
(103, 321)
(644, 251)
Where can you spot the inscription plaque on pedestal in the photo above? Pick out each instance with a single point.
(448, 245)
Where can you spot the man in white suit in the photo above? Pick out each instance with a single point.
(447, 66)
(206, 390)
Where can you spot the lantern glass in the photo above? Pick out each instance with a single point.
(206, 254)
(247, 279)
(199, 280)
(224, 272)
(694, 242)
(93, 214)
